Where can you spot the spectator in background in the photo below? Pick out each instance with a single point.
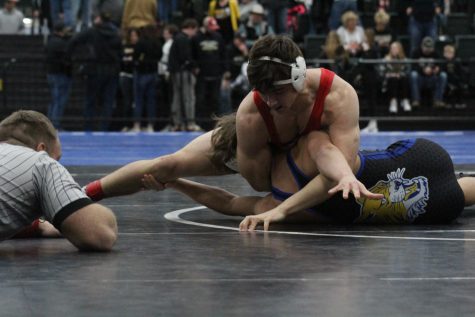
(59, 73)
(422, 21)
(245, 7)
(41, 17)
(139, 13)
(352, 36)
(334, 51)
(276, 14)
(427, 74)
(256, 26)
(339, 7)
(226, 12)
(83, 7)
(237, 54)
(61, 12)
(166, 9)
(102, 70)
(396, 80)
(210, 56)
(11, 19)
(456, 78)
(181, 66)
(382, 34)
(114, 9)
(126, 76)
(147, 54)
(169, 32)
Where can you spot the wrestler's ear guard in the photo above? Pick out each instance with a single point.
(298, 72)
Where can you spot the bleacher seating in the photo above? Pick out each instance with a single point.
(23, 72)
(458, 24)
(465, 45)
(313, 44)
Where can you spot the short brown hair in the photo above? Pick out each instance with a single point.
(224, 140)
(28, 128)
(263, 74)
(190, 23)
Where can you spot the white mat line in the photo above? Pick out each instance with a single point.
(175, 217)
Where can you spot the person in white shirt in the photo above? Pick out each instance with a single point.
(11, 19)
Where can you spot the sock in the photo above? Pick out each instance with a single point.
(94, 190)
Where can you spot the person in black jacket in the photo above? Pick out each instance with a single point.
(456, 77)
(101, 65)
(422, 21)
(147, 54)
(210, 55)
(59, 73)
(427, 74)
(181, 66)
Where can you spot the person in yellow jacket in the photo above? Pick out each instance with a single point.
(139, 14)
(226, 12)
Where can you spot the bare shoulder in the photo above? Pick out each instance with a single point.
(341, 103)
(247, 115)
(341, 93)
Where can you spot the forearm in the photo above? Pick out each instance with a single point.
(314, 193)
(331, 163)
(212, 197)
(126, 180)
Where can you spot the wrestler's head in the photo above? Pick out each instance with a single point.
(224, 140)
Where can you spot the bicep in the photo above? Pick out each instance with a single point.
(344, 131)
(252, 147)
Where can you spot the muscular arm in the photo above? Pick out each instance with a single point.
(343, 126)
(253, 152)
(219, 199)
(328, 159)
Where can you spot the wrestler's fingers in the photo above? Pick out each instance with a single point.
(266, 225)
(371, 195)
(356, 190)
(334, 190)
(346, 190)
(253, 224)
(244, 224)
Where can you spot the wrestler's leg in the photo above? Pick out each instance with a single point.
(468, 188)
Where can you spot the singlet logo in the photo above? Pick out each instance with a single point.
(404, 200)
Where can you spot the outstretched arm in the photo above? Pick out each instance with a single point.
(213, 197)
(332, 164)
(318, 190)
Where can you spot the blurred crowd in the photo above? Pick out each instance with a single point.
(192, 55)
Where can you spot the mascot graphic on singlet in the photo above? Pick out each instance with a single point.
(404, 200)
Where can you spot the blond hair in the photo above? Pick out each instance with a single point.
(224, 141)
(347, 16)
(381, 17)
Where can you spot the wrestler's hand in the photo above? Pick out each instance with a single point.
(350, 184)
(250, 222)
(149, 182)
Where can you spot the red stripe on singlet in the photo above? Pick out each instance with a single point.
(315, 120)
(267, 117)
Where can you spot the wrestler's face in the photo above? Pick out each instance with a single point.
(280, 99)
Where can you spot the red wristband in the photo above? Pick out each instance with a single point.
(32, 231)
(94, 190)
